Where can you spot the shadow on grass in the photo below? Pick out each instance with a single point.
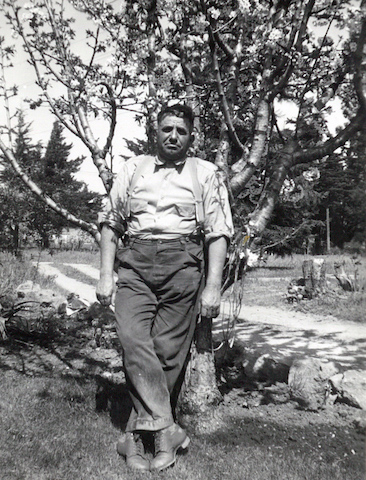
(270, 268)
(114, 399)
(69, 359)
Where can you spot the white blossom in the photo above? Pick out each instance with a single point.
(27, 16)
(274, 36)
(214, 12)
(244, 6)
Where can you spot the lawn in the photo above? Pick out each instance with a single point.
(62, 411)
(53, 427)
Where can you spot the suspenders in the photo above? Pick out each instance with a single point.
(148, 164)
(191, 164)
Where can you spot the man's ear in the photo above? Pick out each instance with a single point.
(192, 138)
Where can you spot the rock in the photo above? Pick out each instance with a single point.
(75, 303)
(100, 315)
(360, 422)
(240, 365)
(47, 299)
(26, 288)
(351, 387)
(269, 369)
(309, 382)
(229, 364)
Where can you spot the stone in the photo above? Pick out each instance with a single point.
(360, 422)
(27, 288)
(269, 369)
(350, 387)
(75, 303)
(309, 384)
(99, 315)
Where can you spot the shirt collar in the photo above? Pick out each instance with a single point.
(163, 163)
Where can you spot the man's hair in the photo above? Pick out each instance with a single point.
(178, 110)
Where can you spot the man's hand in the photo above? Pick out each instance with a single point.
(105, 289)
(210, 301)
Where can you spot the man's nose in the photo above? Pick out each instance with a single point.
(173, 135)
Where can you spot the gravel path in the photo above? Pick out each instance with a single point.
(283, 332)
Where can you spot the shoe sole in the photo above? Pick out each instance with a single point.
(182, 446)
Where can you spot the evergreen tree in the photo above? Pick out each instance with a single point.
(24, 215)
(57, 180)
(342, 183)
(15, 201)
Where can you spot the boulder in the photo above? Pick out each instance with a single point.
(26, 288)
(47, 299)
(269, 369)
(350, 387)
(360, 422)
(309, 384)
(240, 365)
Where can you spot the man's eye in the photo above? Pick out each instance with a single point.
(166, 129)
(181, 131)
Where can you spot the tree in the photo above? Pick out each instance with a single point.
(14, 198)
(233, 62)
(342, 183)
(57, 180)
(23, 215)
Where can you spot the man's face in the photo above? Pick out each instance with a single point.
(173, 138)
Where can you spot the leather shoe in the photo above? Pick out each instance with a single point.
(167, 442)
(131, 447)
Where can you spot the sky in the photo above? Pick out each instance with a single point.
(42, 120)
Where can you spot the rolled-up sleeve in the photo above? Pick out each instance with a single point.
(113, 213)
(218, 219)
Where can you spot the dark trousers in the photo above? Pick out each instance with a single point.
(156, 311)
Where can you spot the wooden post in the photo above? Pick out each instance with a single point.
(307, 272)
(318, 277)
(314, 276)
(328, 230)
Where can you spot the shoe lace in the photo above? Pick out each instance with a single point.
(159, 441)
(138, 447)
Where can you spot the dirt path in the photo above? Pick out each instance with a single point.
(286, 333)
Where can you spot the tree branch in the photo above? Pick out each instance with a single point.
(238, 181)
(263, 211)
(88, 227)
(328, 147)
(360, 62)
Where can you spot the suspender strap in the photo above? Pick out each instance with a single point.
(142, 167)
(197, 190)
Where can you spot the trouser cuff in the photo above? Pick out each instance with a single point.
(149, 425)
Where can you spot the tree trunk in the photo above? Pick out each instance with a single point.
(314, 276)
(344, 281)
(199, 393)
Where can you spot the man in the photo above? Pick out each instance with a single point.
(158, 202)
